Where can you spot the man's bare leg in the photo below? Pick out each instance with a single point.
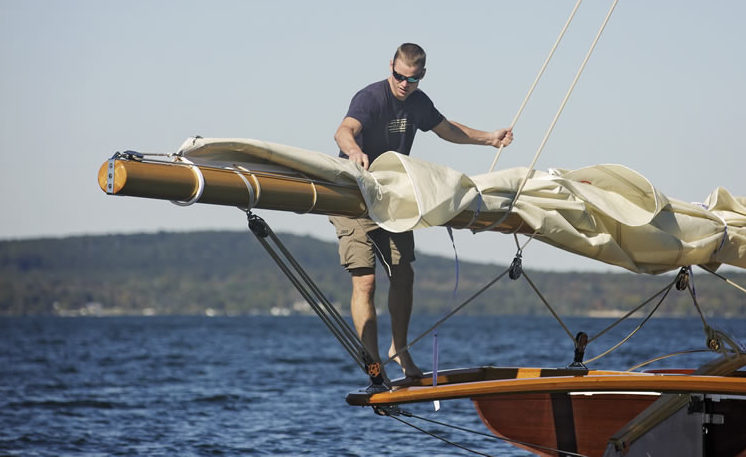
(400, 307)
(363, 310)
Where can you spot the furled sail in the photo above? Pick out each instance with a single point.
(606, 212)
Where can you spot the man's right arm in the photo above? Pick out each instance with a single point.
(345, 138)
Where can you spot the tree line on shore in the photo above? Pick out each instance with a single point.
(229, 273)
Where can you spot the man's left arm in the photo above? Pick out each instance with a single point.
(461, 134)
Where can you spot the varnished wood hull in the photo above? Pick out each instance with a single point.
(589, 412)
(583, 423)
(580, 423)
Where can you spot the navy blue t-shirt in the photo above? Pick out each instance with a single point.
(390, 124)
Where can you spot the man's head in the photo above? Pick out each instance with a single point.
(407, 69)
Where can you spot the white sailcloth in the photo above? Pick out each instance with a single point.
(606, 212)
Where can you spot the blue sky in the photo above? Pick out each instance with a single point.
(663, 94)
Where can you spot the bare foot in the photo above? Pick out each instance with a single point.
(377, 369)
(406, 363)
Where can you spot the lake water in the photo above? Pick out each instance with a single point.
(244, 386)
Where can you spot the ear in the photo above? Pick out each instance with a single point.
(424, 70)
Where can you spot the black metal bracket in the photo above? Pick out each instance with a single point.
(516, 267)
(128, 155)
(581, 341)
(257, 225)
(682, 279)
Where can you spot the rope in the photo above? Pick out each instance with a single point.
(536, 81)
(728, 281)
(452, 443)
(667, 356)
(664, 291)
(556, 118)
(564, 101)
(448, 315)
(631, 312)
(393, 413)
(625, 339)
(549, 307)
(690, 288)
(347, 344)
(315, 298)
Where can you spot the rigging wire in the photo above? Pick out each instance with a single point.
(663, 291)
(448, 315)
(667, 356)
(464, 303)
(445, 440)
(536, 81)
(315, 298)
(728, 281)
(549, 307)
(393, 412)
(632, 333)
(715, 338)
(631, 312)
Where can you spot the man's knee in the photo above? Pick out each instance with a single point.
(363, 280)
(402, 273)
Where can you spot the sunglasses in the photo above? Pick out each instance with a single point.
(410, 79)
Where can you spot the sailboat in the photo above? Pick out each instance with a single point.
(606, 212)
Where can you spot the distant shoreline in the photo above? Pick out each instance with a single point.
(222, 273)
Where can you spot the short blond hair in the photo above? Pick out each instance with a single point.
(411, 54)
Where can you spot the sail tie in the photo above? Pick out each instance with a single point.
(252, 195)
(475, 216)
(725, 226)
(200, 182)
(725, 234)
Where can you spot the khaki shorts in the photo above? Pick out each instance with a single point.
(361, 241)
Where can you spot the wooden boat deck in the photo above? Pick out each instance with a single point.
(483, 381)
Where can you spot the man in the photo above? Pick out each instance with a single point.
(385, 116)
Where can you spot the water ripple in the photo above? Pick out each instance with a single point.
(250, 386)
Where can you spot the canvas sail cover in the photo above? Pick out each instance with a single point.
(605, 212)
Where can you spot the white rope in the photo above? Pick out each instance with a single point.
(536, 81)
(564, 101)
(728, 281)
(553, 123)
